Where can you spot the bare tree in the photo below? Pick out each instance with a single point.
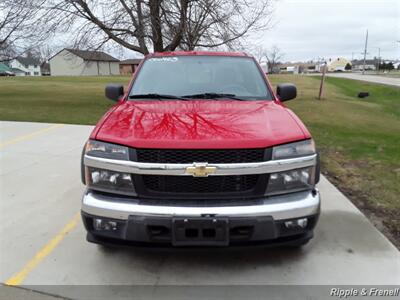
(160, 25)
(41, 52)
(19, 27)
(273, 56)
(213, 23)
(259, 52)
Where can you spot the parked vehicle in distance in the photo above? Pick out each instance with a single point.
(7, 73)
(199, 151)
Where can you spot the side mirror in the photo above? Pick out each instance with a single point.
(286, 91)
(114, 92)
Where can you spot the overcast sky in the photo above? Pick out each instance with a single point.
(312, 29)
(309, 29)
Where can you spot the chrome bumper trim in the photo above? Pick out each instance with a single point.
(280, 207)
(264, 167)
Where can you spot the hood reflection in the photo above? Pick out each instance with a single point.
(165, 123)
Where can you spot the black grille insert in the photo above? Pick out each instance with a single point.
(211, 184)
(189, 156)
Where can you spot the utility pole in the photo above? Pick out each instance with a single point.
(379, 59)
(365, 52)
(321, 87)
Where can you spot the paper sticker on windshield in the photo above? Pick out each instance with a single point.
(164, 59)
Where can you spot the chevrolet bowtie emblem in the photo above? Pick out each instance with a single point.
(200, 170)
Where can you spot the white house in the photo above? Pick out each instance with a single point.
(291, 68)
(370, 64)
(337, 64)
(74, 62)
(25, 66)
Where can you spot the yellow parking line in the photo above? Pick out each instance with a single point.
(18, 278)
(30, 135)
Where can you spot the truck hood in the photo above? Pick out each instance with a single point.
(200, 124)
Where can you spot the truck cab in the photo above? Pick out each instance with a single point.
(200, 151)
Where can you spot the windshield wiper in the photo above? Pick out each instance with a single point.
(155, 96)
(213, 96)
(186, 97)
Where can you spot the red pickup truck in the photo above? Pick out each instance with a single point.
(199, 151)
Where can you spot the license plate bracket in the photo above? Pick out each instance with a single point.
(203, 231)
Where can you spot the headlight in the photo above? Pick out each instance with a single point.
(106, 150)
(106, 180)
(292, 150)
(293, 180)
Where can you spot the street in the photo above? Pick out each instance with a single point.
(368, 78)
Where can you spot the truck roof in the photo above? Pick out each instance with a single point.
(193, 53)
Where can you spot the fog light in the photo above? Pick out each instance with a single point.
(100, 224)
(289, 224)
(302, 223)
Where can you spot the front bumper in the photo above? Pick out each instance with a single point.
(140, 223)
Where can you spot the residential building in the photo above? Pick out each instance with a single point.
(129, 66)
(297, 68)
(25, 66)
(309, 68)
(45, 69)
(337, 64)
(75, 62)
(370, 64)
(291, 68)
(18, 72)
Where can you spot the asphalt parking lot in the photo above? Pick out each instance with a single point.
(43, 240)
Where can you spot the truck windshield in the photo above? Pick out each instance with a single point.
(202, 77)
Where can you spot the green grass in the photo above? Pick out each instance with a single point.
(359, 138)
(74, 100)
(386, 98)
